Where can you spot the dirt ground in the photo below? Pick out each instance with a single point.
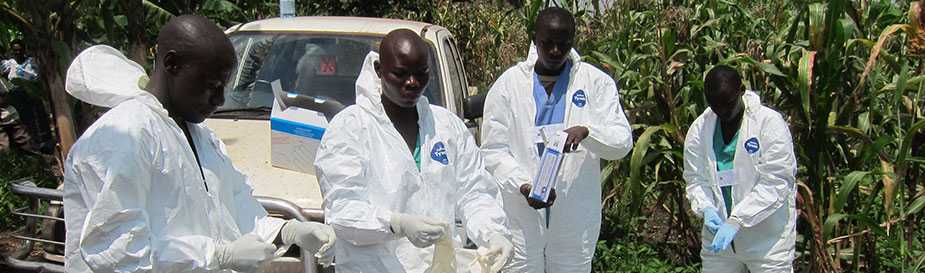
(9, 244)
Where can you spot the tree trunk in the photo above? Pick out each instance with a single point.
(60, 102)
(135, 31)
(53, 33)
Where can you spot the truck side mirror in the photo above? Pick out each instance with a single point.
(474, 106)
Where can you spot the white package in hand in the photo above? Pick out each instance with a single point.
(550, 161)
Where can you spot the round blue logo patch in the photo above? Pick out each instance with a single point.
(752, 145)
(438, 153)
(580, 99)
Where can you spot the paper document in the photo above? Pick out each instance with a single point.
(550, 161)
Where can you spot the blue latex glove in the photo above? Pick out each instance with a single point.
(711, 219)
(723, 237)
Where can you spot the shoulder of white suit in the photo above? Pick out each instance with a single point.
(350, 117)
(129, 125)
(447, 118)
(131, 114)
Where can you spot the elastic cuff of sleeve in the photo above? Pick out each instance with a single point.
(394, 223)
(734, 222)
(703, 211)
(216, 256)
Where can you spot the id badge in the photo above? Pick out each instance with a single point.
(726, 178)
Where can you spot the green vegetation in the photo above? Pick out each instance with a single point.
(15, 166)
(847, 75)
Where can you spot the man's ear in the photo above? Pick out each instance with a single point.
(172, 62)
(377, 67)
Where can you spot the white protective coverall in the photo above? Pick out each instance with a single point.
(592, 101)
(763, 197)
(134, 197)
(367, 173)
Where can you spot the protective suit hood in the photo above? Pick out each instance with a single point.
(368, 84)
(752, 101)
(528, 64)
(102, 76)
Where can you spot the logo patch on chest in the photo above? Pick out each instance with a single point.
(752, 146)
(580, 99)
(438, 153)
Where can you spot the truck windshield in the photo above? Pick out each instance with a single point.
(323, 66)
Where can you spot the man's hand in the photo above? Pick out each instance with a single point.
(246, 254)
(421, 231)
(711, 219)
(575, 136)
(723, 237)
(316, 238)
(537, 204)
(498, 252)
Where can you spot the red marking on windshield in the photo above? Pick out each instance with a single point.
(328, 66)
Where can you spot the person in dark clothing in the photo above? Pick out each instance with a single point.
(21, 81)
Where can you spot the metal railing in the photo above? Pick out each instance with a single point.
(33, 216)
(287, 210)
(30, 233)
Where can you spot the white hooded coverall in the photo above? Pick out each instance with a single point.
(134, 197)
(367, 173)
(763, 197)
(592, 101)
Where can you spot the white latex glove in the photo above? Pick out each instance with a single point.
(498, 252)
(421, 231)
(316, 238)
(246, 254)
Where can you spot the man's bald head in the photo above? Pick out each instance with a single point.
(403, 67)
(194, 60)
(555, 19)
(194, 38)
(401, 43)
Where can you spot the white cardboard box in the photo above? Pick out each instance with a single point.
(295, 134)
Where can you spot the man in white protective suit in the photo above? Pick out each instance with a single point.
(397, 172)
(740, 171)
(148, 187)
(553, 90)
